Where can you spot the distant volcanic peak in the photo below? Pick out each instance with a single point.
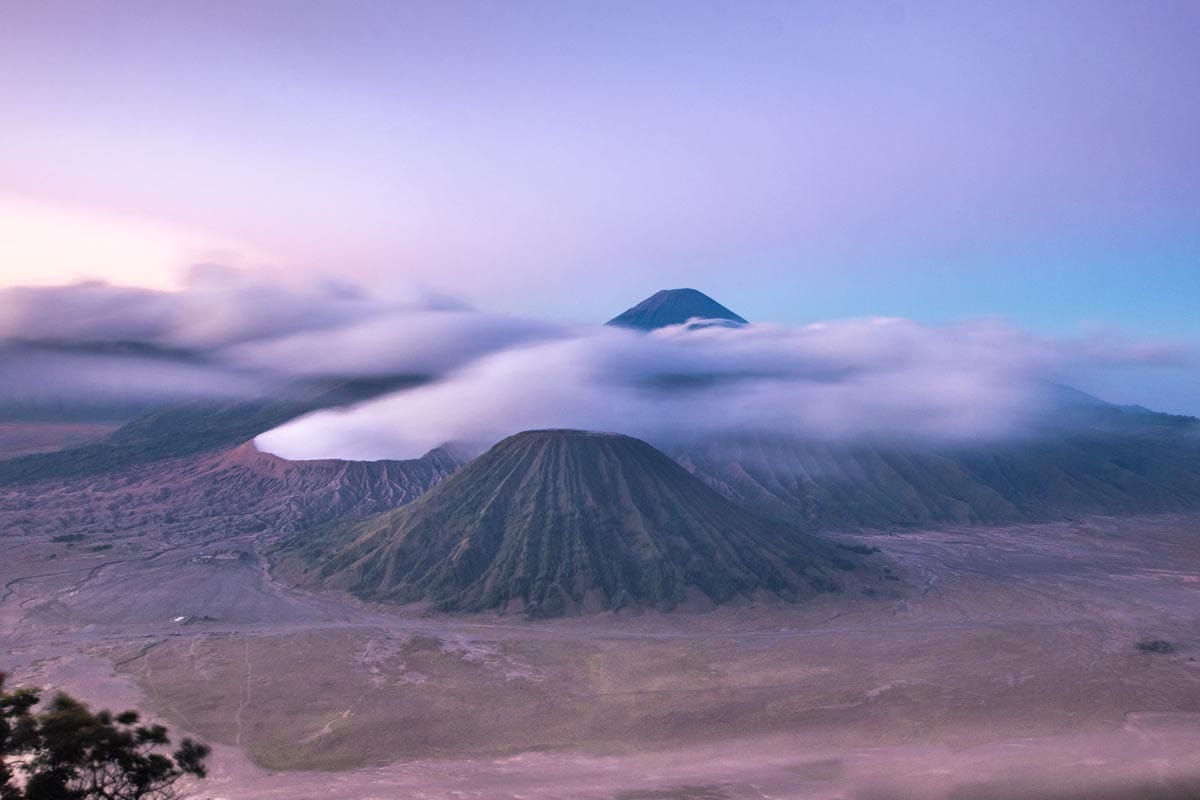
(674, 307)
(559, 522)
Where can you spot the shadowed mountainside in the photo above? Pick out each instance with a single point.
(553, 522)
(1105, 460)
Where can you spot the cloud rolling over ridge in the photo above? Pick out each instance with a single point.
(226, 335)
(855, 378)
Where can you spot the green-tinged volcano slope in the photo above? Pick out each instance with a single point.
(553, 522)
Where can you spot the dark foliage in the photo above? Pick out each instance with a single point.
(65, 751)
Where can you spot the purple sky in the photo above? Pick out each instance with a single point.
(797, 160)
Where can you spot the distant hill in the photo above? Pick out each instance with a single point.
(675, 307)
(554, 522)
(192, 428)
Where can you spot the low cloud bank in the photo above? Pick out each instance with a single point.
(227, 335)
(36, 377)
(856, 378)
(494, 375)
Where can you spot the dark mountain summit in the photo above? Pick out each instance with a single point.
(675, 307)
(553, 522)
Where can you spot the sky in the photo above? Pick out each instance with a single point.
(1034, 162)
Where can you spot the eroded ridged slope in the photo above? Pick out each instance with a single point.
(551, 522)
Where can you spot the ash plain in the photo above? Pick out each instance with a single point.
(1004, 665)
